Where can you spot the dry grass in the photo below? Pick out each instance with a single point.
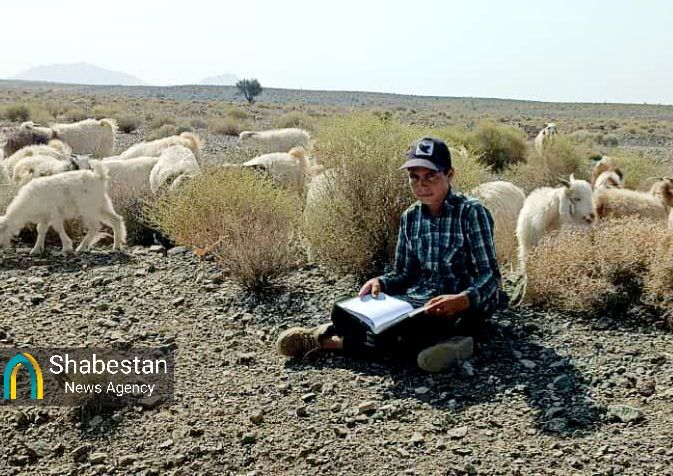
(354, 226)
(639, 171)
(248, 229)
(500, 146)
(561, 158)
(614, 265)
(295, 119)
(228, 126)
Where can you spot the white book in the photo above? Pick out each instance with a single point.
(379, 313)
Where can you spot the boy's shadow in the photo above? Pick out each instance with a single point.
(507, 362)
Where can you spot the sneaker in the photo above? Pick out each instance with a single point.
(441, 356)
(299, 341)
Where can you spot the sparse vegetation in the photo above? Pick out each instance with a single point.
(500, 146)
(616, 264)
(225, 126)
(17, 112)
(248, 229)
(127, 123)
(166, 130)
(294, 119)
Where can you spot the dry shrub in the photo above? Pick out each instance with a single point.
(248, 228)
(16, 112)
(237, 113)
(294, 119)
(127, 123)
(161, 121)
(615, 264)
(228, 126)
(353, 227)
(74, 114)
(561, 158)
(166, 130)
(500, 146)
(198, 123)
(101, 111)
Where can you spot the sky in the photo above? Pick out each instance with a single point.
(568, 51)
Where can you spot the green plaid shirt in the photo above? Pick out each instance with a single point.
(446, 254)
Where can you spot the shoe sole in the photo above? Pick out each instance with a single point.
(441, 356)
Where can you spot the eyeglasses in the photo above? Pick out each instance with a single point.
(431, 178)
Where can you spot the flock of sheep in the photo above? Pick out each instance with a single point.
(53, 184)
(67, 171)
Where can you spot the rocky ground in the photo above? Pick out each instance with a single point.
(544, 394)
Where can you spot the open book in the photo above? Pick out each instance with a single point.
(379, 313)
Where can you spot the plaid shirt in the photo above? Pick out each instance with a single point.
(446, 254)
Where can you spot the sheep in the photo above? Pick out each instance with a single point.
(55, 148)
(129, 178)
(274, 140)
(42, 166)
(4, 176)
(615, 202)
(90, 136)
(605, 164)
(48, 201)
(504, 200)
(544, 137)
(173, 163)
(290, 169)
(24, 137)
(156, 147)
(609, 179)
(547, 209)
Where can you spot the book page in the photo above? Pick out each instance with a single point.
(380, 311)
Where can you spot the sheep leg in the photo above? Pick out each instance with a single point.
(116, 222)
(92, 229)
(38, 249)
(66, 242)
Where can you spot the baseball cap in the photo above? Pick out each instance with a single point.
(428, 152)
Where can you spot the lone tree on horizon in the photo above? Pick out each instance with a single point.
(249, 88)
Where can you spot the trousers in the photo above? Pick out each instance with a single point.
(405, 339)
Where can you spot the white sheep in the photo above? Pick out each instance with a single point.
(90, 136)
(609, 179)
(156, 147)
(290, 169)
(504, 200)
(129, 178)
(49, 201)
(616, 202)
(547, 209)
(274, 140)
(55, 148)
(41, 166)
(606, 164)
(544, 137)
(173, 163)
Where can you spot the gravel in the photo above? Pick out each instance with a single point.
(594, 402)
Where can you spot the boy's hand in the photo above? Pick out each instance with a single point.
(447, 304)
(372, 286)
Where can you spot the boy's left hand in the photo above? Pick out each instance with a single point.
(447, 304)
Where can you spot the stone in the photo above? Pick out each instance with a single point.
(97, 458)
(457, 433)
(340, 431)
(249, 438)
(80, 453)
(308, 397)
(421, 390)
(128, 460)
(624, 414)
(257, 417)
(157, 249)
(166, 444)
(416, 439)
(529, 364)
(368, 406)
(178, 301)
(177, 250)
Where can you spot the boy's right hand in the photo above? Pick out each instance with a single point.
(372, 286)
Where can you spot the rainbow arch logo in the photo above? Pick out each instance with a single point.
(19, 361)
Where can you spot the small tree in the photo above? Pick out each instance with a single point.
(249, 88)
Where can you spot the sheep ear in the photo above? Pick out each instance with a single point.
(620, 173)
(564, 182)
(572, 177)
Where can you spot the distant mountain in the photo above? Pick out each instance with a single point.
(221, 80)
(78, 73)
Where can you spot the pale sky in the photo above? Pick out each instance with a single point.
(585, 51)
